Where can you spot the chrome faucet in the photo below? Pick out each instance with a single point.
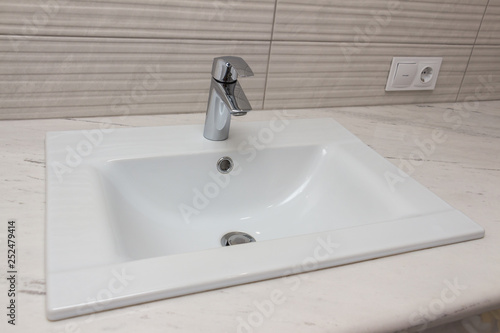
(226, 96)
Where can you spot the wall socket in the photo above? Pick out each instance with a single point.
(413, 73)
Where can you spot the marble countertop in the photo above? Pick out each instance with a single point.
(417, 289)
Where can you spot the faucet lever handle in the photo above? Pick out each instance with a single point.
(227, 69)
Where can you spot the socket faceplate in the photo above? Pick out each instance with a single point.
(413, 73)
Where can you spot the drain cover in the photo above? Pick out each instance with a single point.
(236, 238)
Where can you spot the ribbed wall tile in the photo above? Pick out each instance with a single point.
(312, 75)
(214, 19)
(418, 21)
(70, 77)
(66, 58)
(482, 79)
(490, 28)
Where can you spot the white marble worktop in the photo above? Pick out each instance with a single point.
(383, 295)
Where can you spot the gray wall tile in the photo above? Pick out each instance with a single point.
(482, 79)
(70, 77)
(490, 28)
(418, 21)
(304, 74)
(214, 19)
(81, 58)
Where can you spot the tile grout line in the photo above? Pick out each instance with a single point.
(472, 51)
(201, 39)
(269, 54)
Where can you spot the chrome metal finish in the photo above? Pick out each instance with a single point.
(236, 238)
(225, 164)
(226, 96)
(227, 69)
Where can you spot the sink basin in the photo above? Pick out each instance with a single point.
(141, 214)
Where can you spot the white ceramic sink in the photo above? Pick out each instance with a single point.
(138, 214)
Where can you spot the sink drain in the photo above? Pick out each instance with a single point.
(236, 238)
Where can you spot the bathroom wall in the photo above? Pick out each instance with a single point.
(68, 58)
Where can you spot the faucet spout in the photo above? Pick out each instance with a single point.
(226, 97)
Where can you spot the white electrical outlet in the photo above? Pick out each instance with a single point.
(413, 73)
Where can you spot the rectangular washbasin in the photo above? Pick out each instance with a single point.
(152, 207)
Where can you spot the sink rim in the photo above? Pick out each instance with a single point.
(348, 245)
